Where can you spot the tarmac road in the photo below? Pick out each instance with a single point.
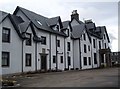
(107, 77)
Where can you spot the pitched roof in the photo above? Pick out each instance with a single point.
(65, 24)
(3, 15)
(52, 21)
(40, 21)
(77, 30)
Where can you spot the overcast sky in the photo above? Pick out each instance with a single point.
(102, 13)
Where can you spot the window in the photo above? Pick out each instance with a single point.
(58, 43)
(5, 59)
(99, 45)
(94, 43)
(68, 46)
(85, 48)
(95, 58)
(28, 40)
(5, 35)
(43, 40)
(102, 58)
(57, 27)
(84, 36)
(105, 45)
(104, 36)
(28, 59)
(69, 60)
(68, 32)
(39, 22)
(88, 47)
(89, 60)
(61, 58)
(85, 60)
(54, 59)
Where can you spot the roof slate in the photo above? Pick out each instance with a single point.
(77, 30)
(33, 17)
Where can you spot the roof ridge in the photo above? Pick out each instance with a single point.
(31, 12)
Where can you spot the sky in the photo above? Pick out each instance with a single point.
(103, 13)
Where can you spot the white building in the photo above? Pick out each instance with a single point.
(31, 42)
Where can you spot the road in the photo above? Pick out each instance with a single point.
(107, 77)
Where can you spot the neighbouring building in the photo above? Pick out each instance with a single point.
(32, 42)
(115, 57)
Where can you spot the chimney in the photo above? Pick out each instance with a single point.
(75, 15)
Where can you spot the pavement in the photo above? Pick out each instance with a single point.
(107, 77)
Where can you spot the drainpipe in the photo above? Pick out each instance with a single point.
(50, 53)
(35, 56)
(56, 55)
(22, 54)
(91, 54)
(64, 54)
(80, 53)
(96, 52)
(73, 54)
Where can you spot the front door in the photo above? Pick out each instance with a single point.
(43, 62)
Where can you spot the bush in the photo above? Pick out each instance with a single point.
(8, 83)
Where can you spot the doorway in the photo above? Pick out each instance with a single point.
(43, 62)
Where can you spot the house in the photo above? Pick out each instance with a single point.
(32, 42)
(92, 47)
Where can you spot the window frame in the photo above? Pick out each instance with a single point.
(89, 59)
(99, 44)
(68, 46)
(85, 48)
(44, 40)
(84, 36)
(85, 61)
(88, 47)
(61, 59)
(54, 59)
(29, 40)
(95, 58)
(30, 63)
(69, 60)
(8, 39)
(94, 43)
(8, 59)
(58, 43)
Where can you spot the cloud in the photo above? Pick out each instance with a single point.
(103, 13)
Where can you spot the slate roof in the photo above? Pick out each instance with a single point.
(90, 26)
(77, 31)
(3, 15)
(45, 22)
(65, 24)
(52, 21)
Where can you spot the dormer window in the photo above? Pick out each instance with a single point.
(28, 40)
(57, 26)
(39, 22)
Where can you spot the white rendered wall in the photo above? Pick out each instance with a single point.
(0, 42)
(88, 54)
(15, 49)
(29, 50)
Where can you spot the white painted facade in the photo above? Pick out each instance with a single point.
(15, 49)
(88, 51)
(18, 49)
